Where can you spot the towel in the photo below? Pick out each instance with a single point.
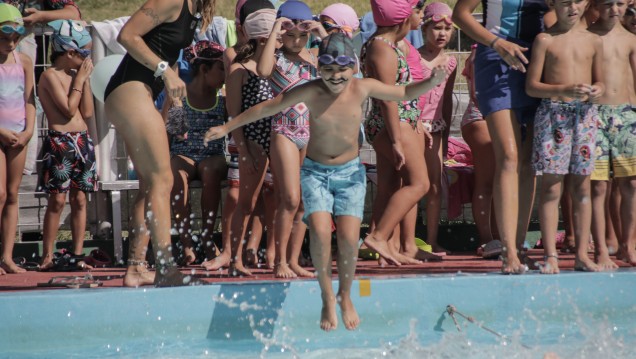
(108, 30)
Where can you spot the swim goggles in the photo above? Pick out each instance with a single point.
(68, 46)
(420, 5)
(342, 60)
(342, 28)
(8, 29)
(438, 18)
(294, 24)
(630, 11)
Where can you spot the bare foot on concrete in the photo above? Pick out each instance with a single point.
(282, 270)
(217, 263)
(300, 271)
(382, 247)
(238, 270)
(138, 276)
(585, 265)
(512, 265)
(605, 263)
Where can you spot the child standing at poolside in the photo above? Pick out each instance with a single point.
(17, 118)
(437, 108)
(616, 136)
(566, 71)
(332, 177)
(69, 160)
(290, 66)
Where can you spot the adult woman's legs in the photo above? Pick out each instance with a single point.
(211, 171)
(527, 187)
(145, 135)
(506, 139)
(478, 139)
(415, 185)
(137, 273)
(285, 165)
(12, 163)
(183, 170)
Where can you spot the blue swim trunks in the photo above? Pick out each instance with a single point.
(339, 190)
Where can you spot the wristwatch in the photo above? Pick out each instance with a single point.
(161, 68)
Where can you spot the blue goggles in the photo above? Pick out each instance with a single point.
(8, 29)
(342, 60)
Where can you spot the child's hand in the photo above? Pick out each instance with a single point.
(595, 92)
(398, 155)
(32, 16)
(316, 28)
(85, 70)
(438, 74)
(214, 133)
(8, 138)
(277, 29)
(425, 128)
(23, 140)
(578, 91)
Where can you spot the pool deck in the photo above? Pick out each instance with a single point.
(455, 263)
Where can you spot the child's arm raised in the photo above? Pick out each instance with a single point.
(534, 85)
(264, 109)
(267, 61)
(86, 106)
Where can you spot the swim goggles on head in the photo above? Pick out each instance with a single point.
(331, 26)
(8, 29)
(290, 25)
(342, 60)
(420, 5)
(68, 46)
(438, 18)
(630, 11)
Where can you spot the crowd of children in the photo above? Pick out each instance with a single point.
(294, 107)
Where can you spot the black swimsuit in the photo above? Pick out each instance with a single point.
(166, 41)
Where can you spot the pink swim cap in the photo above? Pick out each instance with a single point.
(391, 12)
(237, 11)
(342, 15)
(436, 12)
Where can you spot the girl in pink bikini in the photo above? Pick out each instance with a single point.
(437, 108)
(286, 68)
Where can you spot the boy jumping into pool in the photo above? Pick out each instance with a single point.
(566, 72)
(616, 136)
(332, 178)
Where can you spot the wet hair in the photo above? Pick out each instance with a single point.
(246, 51)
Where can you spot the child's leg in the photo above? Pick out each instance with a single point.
(183, 170)
(268, 197)
(77, 199)
(599, 222)
(13, 161)
(229, 206)
(212, 171)
(506, 139)
(615, 215)
(296, 244)
(50, 226)
(582, 214)
(415, 185)
(478, 139)
(549, 220)
(611, 238)
(254, 235)
(285, 165)
(137, 273)
(568, 221)
(348, 234)
(435, 167)
(320, 248)
(628, 219)
(251, 183)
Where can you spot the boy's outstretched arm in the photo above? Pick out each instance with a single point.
(262, 110)
(386, 92)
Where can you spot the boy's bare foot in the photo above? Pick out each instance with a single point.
(137, 276)
(350, 317)
(551, 265)
(9, 266)
(585, 265)
(512, 265)
(382, 247)
(282, 270)
(300, 271)
(217, 263)
(605, 263)
(238, 270)
(170, 276)
(250, 258)
(403, 259)
(328, 315)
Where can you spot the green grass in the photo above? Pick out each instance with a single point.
(99, 10)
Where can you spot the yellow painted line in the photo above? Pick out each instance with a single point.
(365, 287)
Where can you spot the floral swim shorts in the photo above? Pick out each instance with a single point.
(615, 142)
(565, 138)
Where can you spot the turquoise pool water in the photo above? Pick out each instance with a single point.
(575, 315)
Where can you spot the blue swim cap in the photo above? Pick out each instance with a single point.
(295, 10)
(69, 34)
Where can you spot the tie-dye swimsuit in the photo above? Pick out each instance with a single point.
(407, 110)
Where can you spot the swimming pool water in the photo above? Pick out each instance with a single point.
(575, 315)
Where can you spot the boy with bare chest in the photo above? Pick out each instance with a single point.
(333, 180)
(566, 71)
(616, 136)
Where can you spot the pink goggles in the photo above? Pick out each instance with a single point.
(437, 18)
(301, 26)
